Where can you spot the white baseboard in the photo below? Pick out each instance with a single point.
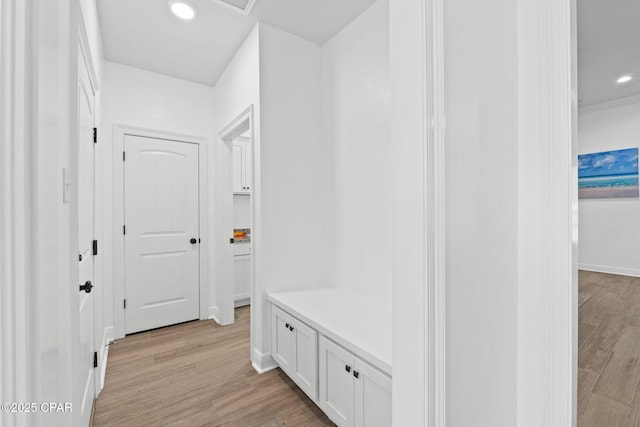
(214, 313)
(241, 300)
(609, 269)
(262, 362)
(103, 355)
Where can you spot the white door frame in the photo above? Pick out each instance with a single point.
(20, 351)
(119, 133)
(239, 125)
(547, 213)
(417, 132)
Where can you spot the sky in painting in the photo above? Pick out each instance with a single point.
(619, 162)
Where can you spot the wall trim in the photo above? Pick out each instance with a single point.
(418, 132)
(214, 314)
(262, 362)
(119, 133)
(242, 300)
(19, 357)
(608, 105)
(107, 338)
(240, 124)
(547, 214)
(610, 269)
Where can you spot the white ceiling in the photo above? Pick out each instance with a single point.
(608, 47)
(145, 34)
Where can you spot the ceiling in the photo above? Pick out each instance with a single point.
(608, 47)
(145, 34)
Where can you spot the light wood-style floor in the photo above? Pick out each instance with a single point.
(197, 374)
(609, 351)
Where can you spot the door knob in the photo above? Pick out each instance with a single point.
(193, 240)
(86, 287)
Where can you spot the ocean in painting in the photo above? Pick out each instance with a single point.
(608, 181)
(609, 174)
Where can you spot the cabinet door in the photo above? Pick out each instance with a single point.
(373, 396)
(337, 393)
(282, 339)
(247, 162)
(305, 358)
(242, 279)
(238, 167)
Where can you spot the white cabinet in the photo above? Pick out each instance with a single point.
(242, 279)
(341, 361)
(352, 392)
(242, 166)
(295, 348)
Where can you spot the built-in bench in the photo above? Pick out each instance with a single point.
(336, 345)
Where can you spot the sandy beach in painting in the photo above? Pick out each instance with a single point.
(608, 192)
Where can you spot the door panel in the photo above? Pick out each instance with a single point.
(161, 216)
(86, 203)
(238, 167)
(282, 340)
(306, 359)
(336, 383)
(373, 397)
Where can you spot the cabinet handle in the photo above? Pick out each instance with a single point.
(286, 326)
(291, 328)
(356, 374)
(347, 368)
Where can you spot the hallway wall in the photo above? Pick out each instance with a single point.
(147, 100)
(609, 233)
(356, 128)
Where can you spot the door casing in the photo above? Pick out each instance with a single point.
(119, 133)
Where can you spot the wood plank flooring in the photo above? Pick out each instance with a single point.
(609, 351)
(198, 374)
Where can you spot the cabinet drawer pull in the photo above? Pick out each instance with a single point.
(347, 368)
(291, 328)
(286, 326)
(356, 374)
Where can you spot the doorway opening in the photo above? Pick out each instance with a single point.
(608, 375)
(236, 289)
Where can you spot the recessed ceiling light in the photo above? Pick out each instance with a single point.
(182, 10)
(624, 79)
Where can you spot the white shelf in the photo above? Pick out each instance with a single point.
(358, 323)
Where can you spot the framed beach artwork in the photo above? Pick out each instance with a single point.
(608, 175)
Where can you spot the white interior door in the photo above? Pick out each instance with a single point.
(86, 204)
(161, 232)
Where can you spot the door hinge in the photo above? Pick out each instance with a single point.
(123, 156)
(124, 229)
(95, 247)
(95, 135)
(124, 304)
(95, 359)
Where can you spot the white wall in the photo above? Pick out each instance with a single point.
(355, 104)
(139, 98)
(294, 247)
(609, 232)
(237, 88)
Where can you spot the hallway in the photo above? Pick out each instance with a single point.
(197, 374)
